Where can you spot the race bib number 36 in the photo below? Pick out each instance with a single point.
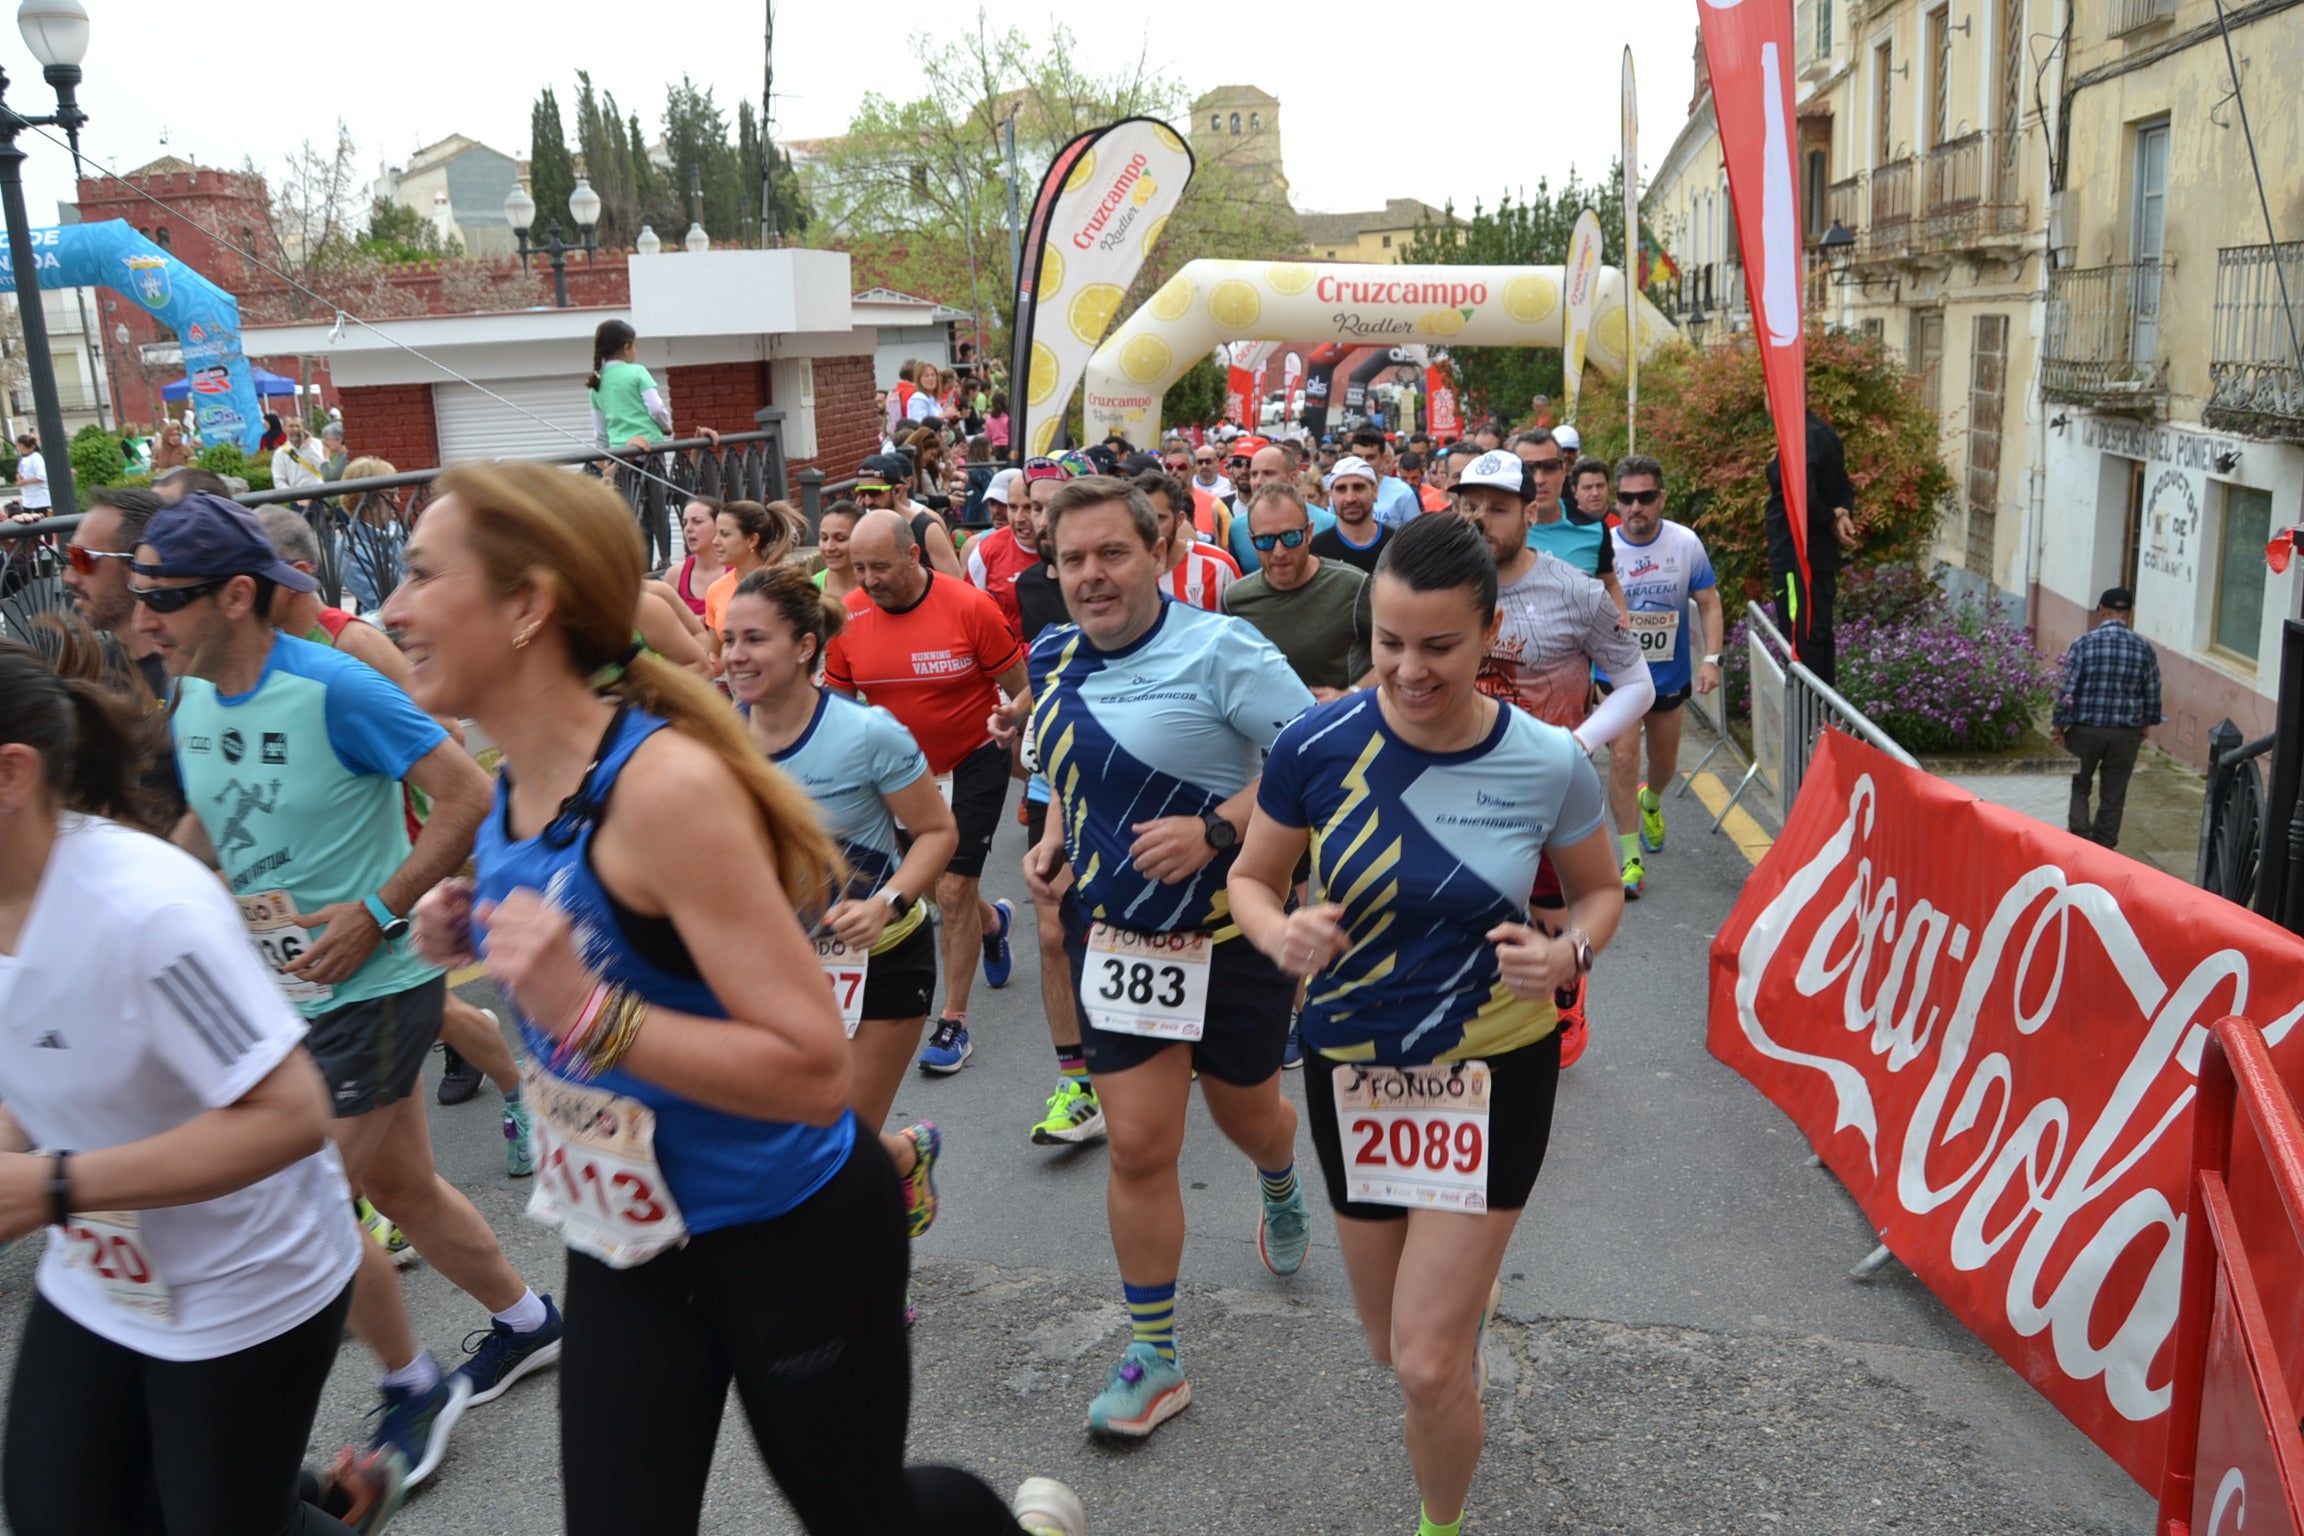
(597, 1178)
(1656, 634)
(108, 1247)
(1415, 1136)
(280, 942)
(1146, 983)
(846, 969)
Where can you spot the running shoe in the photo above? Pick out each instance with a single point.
(501, 1357)
(1074, 1115)
(1568, 1001)
(1046, 1507)
(947, 1050)
(920, 1183)
(380, 1227)
(415, 1425)
(1292, 1054)
(1284, 1232)
(1651, 820)
(1635, 877)
(519, 1139)
(460, 1081)
(1144, 1392)
(999, 961)
(362, 1490)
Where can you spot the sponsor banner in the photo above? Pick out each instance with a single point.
(1990, 1030)
(1583, 289)
(1440, 396)
(1748, 49)
(1100, 211)
(1633, 262)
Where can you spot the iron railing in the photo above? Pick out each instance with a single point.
(2232, 815)
(1891, 213)
(2128, 16)
(1971, 191)
(1808, 706)
(1844, 204)
(2256, 379)
(2101, 348)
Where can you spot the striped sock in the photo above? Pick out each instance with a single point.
(1152, 1311)
(1278, 1187)
(1072, 1064)
(1427, 1526)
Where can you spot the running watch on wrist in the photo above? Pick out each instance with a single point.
(1712, 660)
(1583, 947)
(898, 903)
(395, 928)
(1221, 834)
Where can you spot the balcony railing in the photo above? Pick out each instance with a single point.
(1890, 224)
(2256, 379)
(2134, 15)
(1844, 204)
(2102, 347)
(1971, 192)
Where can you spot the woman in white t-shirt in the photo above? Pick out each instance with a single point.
(162, 1125)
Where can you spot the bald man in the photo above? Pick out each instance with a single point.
(1269, 466)
(937, 653)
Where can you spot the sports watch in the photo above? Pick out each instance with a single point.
(395, 928)
(899, 904)
(1221, 834)
(1583, 948)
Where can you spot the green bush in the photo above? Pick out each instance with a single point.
(96, 457)
(223, 459)
(258, 476)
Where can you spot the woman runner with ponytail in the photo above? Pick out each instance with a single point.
(639, 896)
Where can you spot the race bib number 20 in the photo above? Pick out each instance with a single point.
(1415, 1136)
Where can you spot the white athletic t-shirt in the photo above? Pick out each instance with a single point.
(135, 1002)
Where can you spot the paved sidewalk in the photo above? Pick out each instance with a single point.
(2160, 827)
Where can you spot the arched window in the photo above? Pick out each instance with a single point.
(1235, 122)
(1255, 122)
(1215, 122)
(160, 238)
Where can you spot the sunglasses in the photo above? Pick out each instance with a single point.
(170, 599)
(1287, 540)
(84, 560)
(1547, 466)
(1640, 498)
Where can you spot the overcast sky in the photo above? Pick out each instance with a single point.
(1370, 109)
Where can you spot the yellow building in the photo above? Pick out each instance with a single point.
(1378, 235)
(2085, 299)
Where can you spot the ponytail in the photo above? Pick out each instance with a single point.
(93, 744)
(612, 337)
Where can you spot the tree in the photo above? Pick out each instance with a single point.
(600, 139)
(398, 233)
(313, 213)
(1521, 231)
(551, 168)
(1197, 399)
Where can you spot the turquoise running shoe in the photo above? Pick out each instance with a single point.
(1144, 1392)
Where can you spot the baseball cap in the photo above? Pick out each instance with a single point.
(1352, 464)
(2117, 599)
(1003, 486)
(1246, 447)
(1046, 469)
(1138, 463)
(1569, 439)
(1497, 470)
(884, 471)
(1103, 458)
(205, 536)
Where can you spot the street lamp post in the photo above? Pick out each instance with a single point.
(57, 33)
(520, 208)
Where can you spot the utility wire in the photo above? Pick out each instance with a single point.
(2271, 235)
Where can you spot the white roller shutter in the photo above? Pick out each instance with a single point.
(473, 426)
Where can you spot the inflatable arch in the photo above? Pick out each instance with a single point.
(1352, 304)
(204, 317)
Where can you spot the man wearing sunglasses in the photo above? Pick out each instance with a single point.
(885, 480)
(293, 755)
(96, 574)
(1664, 567)
(1314, 611)
(1550, 529)
(1270, 464)
(1208, 474)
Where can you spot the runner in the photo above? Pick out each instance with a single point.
(1590, 501)
(292, 757)
(1425, 807)
(997, 558)
(1269, 466)
(1663, 565)
(885, 480)
(1314, 611)
(937, 654)
(1192, 570)
(1558, 626)
(1150, 719)
(194, 1285)
(699, 527)
(865, 774)
(1585, 546)
(748, 535)
(754, 1238)
(834, 525)
(96, 574)
(1358, 537)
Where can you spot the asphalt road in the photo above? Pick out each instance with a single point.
(1680, 1350)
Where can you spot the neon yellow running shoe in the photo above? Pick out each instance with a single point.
(1074, 1115)
(1651, 820)
(1635, 877)
(380, 1227)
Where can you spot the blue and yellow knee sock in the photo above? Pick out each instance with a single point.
(1152, 1312)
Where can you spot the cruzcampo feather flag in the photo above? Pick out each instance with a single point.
(1631, 261)
(1583, 284)
(1100, 210)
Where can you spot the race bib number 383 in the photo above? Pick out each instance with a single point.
(1415, 1136)
(597, 1179)
(1146, 983)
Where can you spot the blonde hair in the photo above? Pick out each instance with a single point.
(575, 539)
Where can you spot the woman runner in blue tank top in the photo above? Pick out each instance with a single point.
(639, 874)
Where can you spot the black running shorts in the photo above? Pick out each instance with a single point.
(1520, 1086)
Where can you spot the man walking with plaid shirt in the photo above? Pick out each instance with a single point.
(2110, 698)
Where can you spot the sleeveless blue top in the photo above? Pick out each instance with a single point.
(723, 1169)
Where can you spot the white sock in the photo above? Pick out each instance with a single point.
(525, 1315)
(419, 1375)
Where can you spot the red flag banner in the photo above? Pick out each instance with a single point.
(1748, 51)
(1991, 1031)
(1440, 393)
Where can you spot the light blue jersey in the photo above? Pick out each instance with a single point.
(1657, 578)
(849, 759)
(1173, 725)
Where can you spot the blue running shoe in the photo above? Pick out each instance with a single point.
(416, 1424)
(1144, 1392)
(947, 1049)
(1285, 1233)
(1292, 1055)
(999, 961)
(501, 1357)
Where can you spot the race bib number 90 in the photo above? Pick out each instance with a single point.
(1657, 634)
(1415, 1136)
(1146, 983)
(597, 1179)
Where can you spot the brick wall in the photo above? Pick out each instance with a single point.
(393, 422)
(722, 396)
(847, 423)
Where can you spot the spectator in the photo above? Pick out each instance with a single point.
(2108, 704)
(32, 478)
(274, 433)
(1806, 616)
(332, 455)
(298, 461)
(996, 426)
(173, 452)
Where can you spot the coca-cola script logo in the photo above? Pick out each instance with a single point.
(2009, 1059)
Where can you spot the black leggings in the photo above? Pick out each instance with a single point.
(103, 1441)
(806, 1314)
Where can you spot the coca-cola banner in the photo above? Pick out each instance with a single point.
(1990, 1030)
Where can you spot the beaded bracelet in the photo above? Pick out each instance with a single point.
(618, 1020)
(587, 1022)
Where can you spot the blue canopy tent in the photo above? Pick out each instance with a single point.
(269, 386)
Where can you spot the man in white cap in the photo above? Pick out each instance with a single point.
(997, 558)
(1358, 537)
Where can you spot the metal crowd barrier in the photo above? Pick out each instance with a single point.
(1791, 706)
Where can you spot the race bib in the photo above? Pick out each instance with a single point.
(845, 968)
(1415, 1136)
(1656, 634)
(597, 1180)
(108, 1247)
(279, 942)
(1146, 983)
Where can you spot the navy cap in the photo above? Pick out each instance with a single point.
(206, 536)
(883, 471)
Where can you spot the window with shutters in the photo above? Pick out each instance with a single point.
(1926, 359)
(1987, 395)
(1939, 75)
